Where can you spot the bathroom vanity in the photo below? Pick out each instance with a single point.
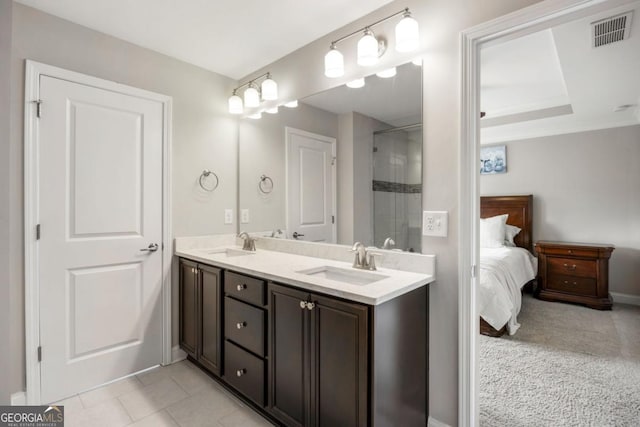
(308, 341)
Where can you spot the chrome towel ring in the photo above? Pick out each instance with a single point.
(265, 185)
(208, 186)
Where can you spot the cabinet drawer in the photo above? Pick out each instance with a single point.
(575, 251)
(244, 325)
(245, 288)
(573, 285)
(572, 267)
(245, 372)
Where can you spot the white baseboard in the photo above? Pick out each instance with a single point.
(19, 399)
(435, 423)
(177, 354)
(625, 298)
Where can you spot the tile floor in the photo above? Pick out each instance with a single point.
(171, 396)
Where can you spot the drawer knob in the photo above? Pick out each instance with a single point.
(241, 287)
(310, 306)
(241, 325)
(570, 267)
(303, 304)
(241, 372)
(569, 251)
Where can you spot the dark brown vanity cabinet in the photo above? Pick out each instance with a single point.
(318, 359)
(200, 313)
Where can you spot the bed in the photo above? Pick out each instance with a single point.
(505, 271)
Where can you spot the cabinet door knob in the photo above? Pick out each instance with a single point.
(241, 372)
(241, 287)
(241, 325)
(310, 306)
(303, 304)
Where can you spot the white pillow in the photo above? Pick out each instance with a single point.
(510, 232)
(492, 231)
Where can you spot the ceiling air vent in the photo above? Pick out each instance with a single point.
(611, 30)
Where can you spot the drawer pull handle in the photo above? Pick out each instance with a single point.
(241, 287)
(566, 282)
(570, 267)
(241, 372)
(310, 306)
(303, 304)
(241, 325)
(570, 251)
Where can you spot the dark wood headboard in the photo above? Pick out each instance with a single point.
(520, 210)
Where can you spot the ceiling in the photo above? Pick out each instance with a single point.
(396, 101)
(232, 38)
(554, 82)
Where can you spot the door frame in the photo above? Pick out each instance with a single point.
(34, 70)
(517, 24)
(287, 131)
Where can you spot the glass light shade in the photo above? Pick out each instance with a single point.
(333, 63)
(292, 104)
(272, 110)
(269, 90)
(385, 74)
(367, 50)
(251, 97)
(235, 104)
(407, 34)
(356, 84)
(257, 115)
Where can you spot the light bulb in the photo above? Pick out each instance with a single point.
(407, 34)
(272, 110)
(356, 84)
(235, 104)
(385, 74)
(367, 49)
(251, 97)
(292, 104)
(333, 63)
(269, 89)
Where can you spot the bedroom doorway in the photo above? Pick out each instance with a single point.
(535, 21)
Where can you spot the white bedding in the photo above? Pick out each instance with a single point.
(503, 273)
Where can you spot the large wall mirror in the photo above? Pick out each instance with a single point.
(345, 165)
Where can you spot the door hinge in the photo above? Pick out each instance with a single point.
(473, 270)
(39, 353)
(38, 103)
(333, 219)
(333, 161)
(38, 232)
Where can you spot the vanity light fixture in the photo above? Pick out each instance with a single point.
(388, 73)
(272, 110)
(267, 91)
(356, 84)
(370, 48)
(256, 116)
(292, 104)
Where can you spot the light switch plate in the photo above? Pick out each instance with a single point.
(228, 216)
(435, 223)
(244, 216)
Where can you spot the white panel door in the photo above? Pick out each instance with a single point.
(310, 186)
(100, 203)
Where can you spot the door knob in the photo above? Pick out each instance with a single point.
(152, 248)
(296, 235)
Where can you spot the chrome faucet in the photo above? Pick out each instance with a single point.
(388, 243)
(363, 259)
(249, 242)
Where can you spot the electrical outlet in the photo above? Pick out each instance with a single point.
(228, 216)
(244, 216)
(435, 223)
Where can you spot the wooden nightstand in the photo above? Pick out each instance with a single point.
(574, 272)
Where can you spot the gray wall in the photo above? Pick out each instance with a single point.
(585, 189)
(5, 252)
(262, 151)
(204, 135)
(301, 74)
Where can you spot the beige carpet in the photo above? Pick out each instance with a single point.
(567, 366)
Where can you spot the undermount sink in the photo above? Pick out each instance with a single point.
(345, 275)
(229, 252)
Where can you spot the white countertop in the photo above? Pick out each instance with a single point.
(283, 268)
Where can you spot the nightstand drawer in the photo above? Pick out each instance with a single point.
(573, 285)
(244, 325)
(575, 251)
(572, 267)
(245, 288)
